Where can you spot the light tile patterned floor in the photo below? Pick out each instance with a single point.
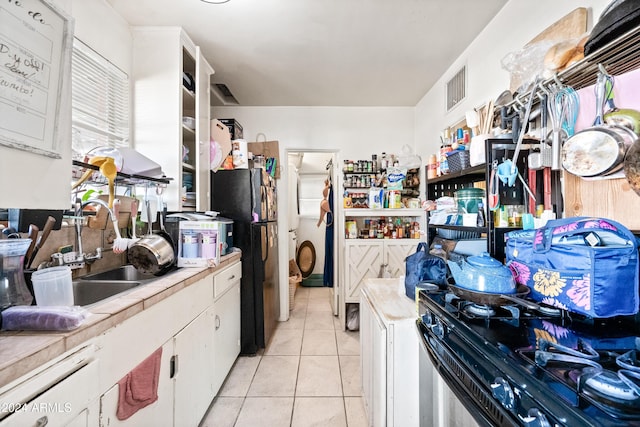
(309, 374)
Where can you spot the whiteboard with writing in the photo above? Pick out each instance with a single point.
(35, 46)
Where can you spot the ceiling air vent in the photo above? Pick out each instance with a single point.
(456, 88)
(224, 94)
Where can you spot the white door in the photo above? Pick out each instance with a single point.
(203, 130)
(379, 369)
(226, 339)
(155, 414)
(366, 356)
(193, 370)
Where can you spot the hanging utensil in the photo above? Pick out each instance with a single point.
(120, 244)
(110, 171)
(48, 226)
(33, 235)
(488, 122)
(508, 170)
(134, 215)
(153, 253)
(493, 196)
(546, 152)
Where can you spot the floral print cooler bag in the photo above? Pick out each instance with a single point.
(585, 265)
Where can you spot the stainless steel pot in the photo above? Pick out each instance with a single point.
(152, 254)
(597, 151)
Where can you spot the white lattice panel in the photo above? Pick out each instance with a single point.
(363, 261)
(395, 252)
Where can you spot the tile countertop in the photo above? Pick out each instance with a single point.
(389, 299)
(23, 351)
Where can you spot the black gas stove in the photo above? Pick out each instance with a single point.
(512, 365)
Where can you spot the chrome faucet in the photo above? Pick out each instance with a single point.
(78, 258)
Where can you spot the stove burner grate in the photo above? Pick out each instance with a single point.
(604, 389)
(479, 310)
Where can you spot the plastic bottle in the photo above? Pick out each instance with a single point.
(438, 251)
(482, 220)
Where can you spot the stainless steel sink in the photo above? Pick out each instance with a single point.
(100, 286)
(125, 272)
(86, 292)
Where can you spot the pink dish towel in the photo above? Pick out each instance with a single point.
(139, 387)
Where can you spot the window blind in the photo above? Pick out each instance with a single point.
(100, 102)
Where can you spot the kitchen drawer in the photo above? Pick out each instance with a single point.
(57, 405)
(225, 279)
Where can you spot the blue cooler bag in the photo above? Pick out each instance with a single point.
(423, 267)
(562, 268)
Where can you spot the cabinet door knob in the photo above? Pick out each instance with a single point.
(43, 421)
(217, 322)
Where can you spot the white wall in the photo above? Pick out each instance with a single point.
(515, 25)
(96, 24)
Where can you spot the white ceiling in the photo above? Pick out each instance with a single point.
(323, 52)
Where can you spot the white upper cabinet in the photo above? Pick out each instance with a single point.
(171, 112)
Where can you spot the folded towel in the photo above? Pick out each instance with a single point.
(48, 318)
(139, 388)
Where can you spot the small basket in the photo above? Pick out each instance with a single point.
(458, 160)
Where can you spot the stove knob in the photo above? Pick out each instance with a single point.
(503, 392)
(536, 419)
(427, 318)
(438, 328)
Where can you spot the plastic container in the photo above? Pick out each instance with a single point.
(53, 286)
(208, 240)
(14, 288)
(190, 244)
(468, 199)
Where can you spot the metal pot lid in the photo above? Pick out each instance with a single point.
(591, 152)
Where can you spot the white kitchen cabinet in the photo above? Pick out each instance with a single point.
(160, 57)
(156, 413)
(193, 370)
(65, 393)
(367, 257)
(373, 340)
(389, 354)
(226, 336)
(196, 357)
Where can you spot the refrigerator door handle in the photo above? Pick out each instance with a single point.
(265, 254)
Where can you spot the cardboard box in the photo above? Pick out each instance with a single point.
(199, 244)
(270, 150)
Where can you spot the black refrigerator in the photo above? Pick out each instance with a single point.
(248, 197)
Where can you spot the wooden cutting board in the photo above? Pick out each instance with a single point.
(571, 26)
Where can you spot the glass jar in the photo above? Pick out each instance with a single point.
(13, 288)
